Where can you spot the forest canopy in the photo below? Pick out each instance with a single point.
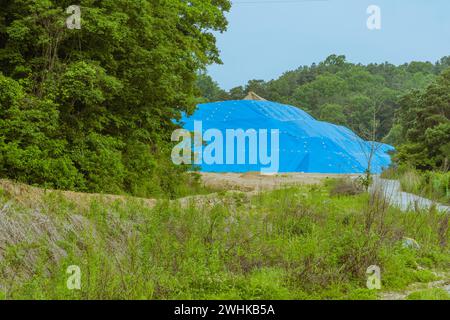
(423, 124)
(92, 109)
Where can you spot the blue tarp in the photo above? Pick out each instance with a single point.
(305, 144)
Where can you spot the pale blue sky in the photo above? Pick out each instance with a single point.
(266, 39)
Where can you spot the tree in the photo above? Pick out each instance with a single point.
(355, 87)
(368, 145)
(327, 88)
(209, 89)
(333, 113)
(425, 120)
(111, 89)
(237, 93)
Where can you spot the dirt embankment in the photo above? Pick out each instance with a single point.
(254, 181)
(246, 182)
(30, 196)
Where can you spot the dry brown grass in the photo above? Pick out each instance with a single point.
(28, 222)
(31, 197)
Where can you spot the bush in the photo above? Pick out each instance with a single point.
(346, 187)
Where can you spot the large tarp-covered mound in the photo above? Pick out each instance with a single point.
(305, 144)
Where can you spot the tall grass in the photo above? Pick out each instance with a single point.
(296, 243)
(431, 184)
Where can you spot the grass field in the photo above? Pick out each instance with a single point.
(295, 243)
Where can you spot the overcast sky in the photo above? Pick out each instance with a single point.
(266, 39)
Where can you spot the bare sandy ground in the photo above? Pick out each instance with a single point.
(254, 181)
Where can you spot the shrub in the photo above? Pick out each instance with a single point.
(346, 187)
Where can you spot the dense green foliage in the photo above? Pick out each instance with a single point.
(92, 109)
(296, 243)
(339, 91)
(423, 124)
